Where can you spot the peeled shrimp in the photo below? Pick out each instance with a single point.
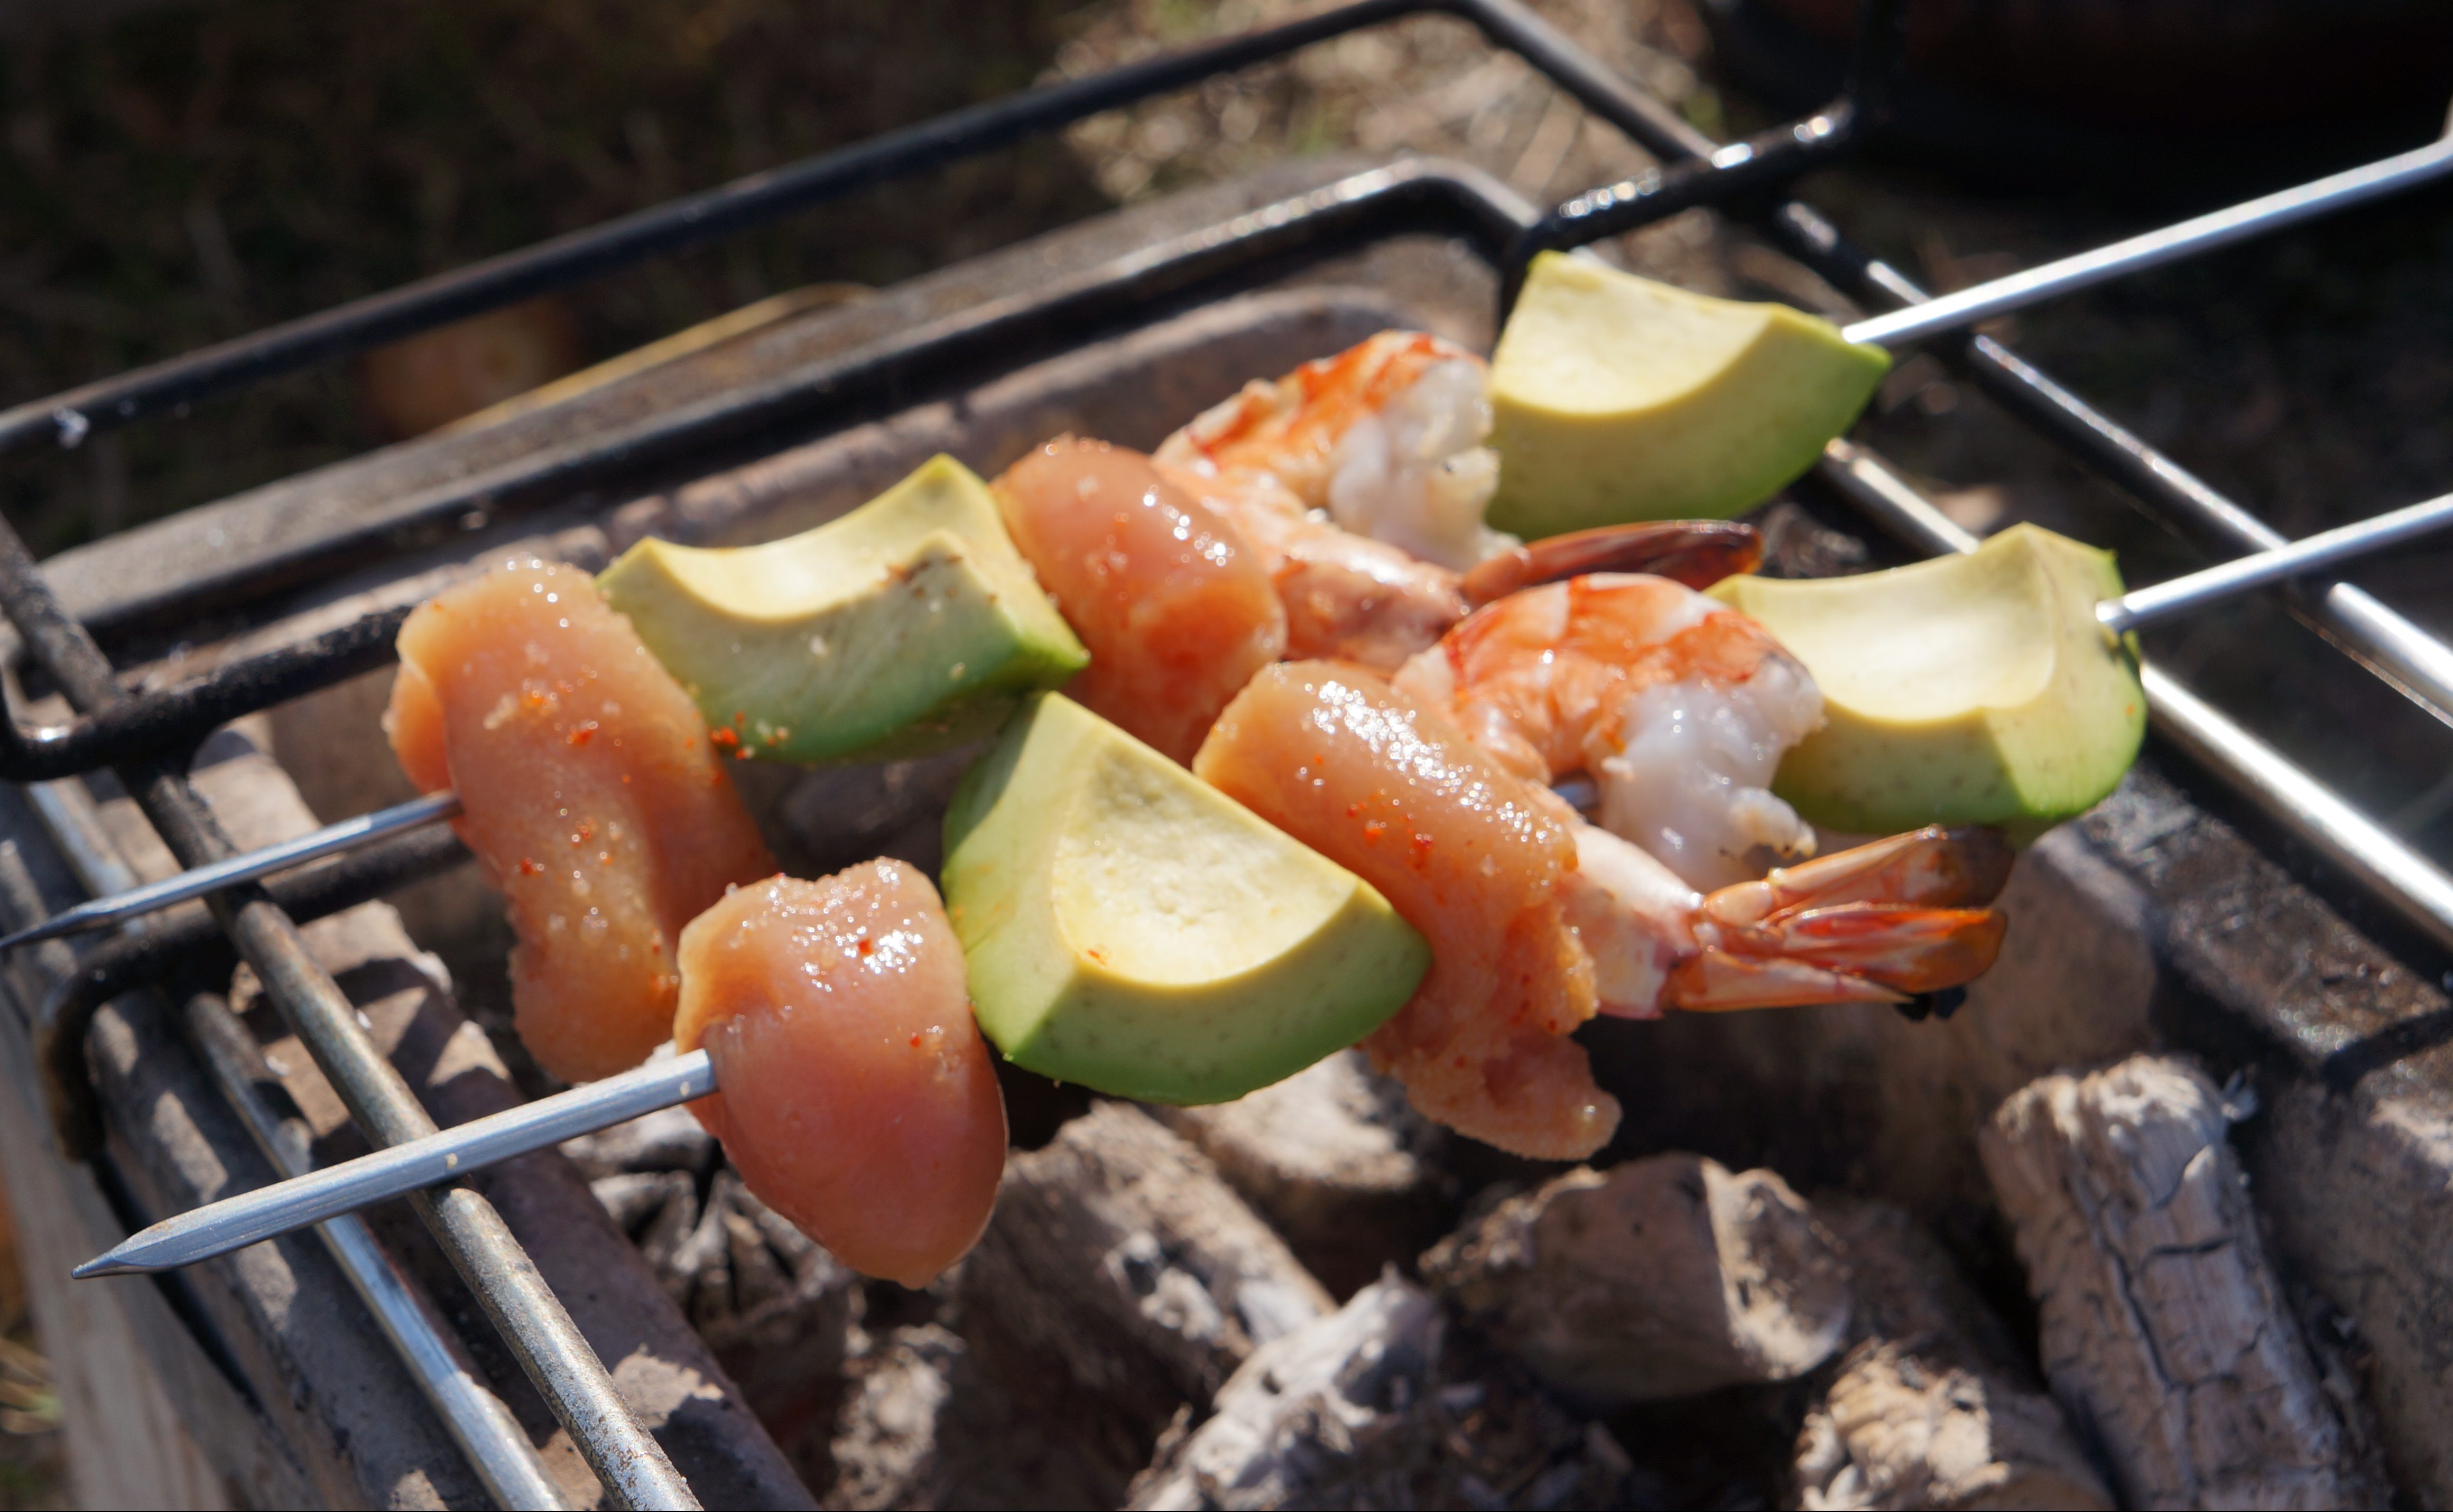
(859, 1100)
(1386, 436)
(1175, 608)
(589, 792)
(1678, 708)
(1359, 482)
(1538, 921)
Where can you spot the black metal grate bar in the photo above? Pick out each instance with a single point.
(523, 1309)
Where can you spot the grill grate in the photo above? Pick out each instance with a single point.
(146, 738)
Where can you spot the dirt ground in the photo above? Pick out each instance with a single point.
(195, 172)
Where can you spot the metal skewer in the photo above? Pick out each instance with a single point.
(2164, 601)
(2257, 217)
(268, 1212)
(2133, 609)
(497, 1447)
(331, 840)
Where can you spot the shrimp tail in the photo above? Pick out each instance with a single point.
(1855, 952)
(1933, 867)
(1718, 981)
(1695, 552)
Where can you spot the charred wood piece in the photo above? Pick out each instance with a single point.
(1932, 1405)
(1337, 1160)
(1660, 1278)
(1377, 1406)
(2165, 1332)
(1120, 1256)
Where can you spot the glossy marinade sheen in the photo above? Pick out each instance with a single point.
(590, 793)
(1466, 853)
(858, 1100)
(1175, 608)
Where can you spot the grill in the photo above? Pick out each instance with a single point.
(146, 738)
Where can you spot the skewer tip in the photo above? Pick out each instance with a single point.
(106, 1264)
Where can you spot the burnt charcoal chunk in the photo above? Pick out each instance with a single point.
(1380, 1405)
(1932, 1405)
(1656, 1278)
(1337, 1160)
(1119, 1259)
(2165, 1331)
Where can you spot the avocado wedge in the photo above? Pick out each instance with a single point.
(1133, 930)
(908, 625)
(1974, 690)
(1615, 398)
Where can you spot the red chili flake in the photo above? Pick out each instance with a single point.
(740, 716)
(1420, 851)
(867, 945)
(725, 738)
(529, 869)
(1372, 832)
(916, 1041)
(586, 832)
(584, 733)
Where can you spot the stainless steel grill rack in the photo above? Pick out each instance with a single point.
(146, 738)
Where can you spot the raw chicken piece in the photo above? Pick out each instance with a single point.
(590, 793)
(1538, 920)
(1469, 855)
(858, 1097)
(1175, 606)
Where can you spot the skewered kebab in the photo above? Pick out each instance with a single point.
(244, 1219)
(1451, 364)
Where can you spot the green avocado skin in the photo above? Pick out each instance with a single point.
(934, 646)
(1049, 1012)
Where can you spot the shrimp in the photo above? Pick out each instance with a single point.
(1539, 921)
(1677, 708)
(1175, 608)
(1360, 480)
(1386, 436)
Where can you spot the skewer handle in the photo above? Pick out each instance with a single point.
(346, 835)
(271, 1211)
(2146, 606)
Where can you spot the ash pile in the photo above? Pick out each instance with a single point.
(1314, 1298)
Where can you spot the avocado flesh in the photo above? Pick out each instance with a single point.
(1615, 398)
(1132, 928)
(908, 625)
(1974, 690)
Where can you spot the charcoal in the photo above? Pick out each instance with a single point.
(776, 1309)
(1120, 1257)
(1337, 1160)
(636, 1199)
(928, 1421)
(1658, 1279)
(2165, 1332)
(892, 1429)
(834, 817)
(1932, 1405)
(1377, 1406)
(668, 1140)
